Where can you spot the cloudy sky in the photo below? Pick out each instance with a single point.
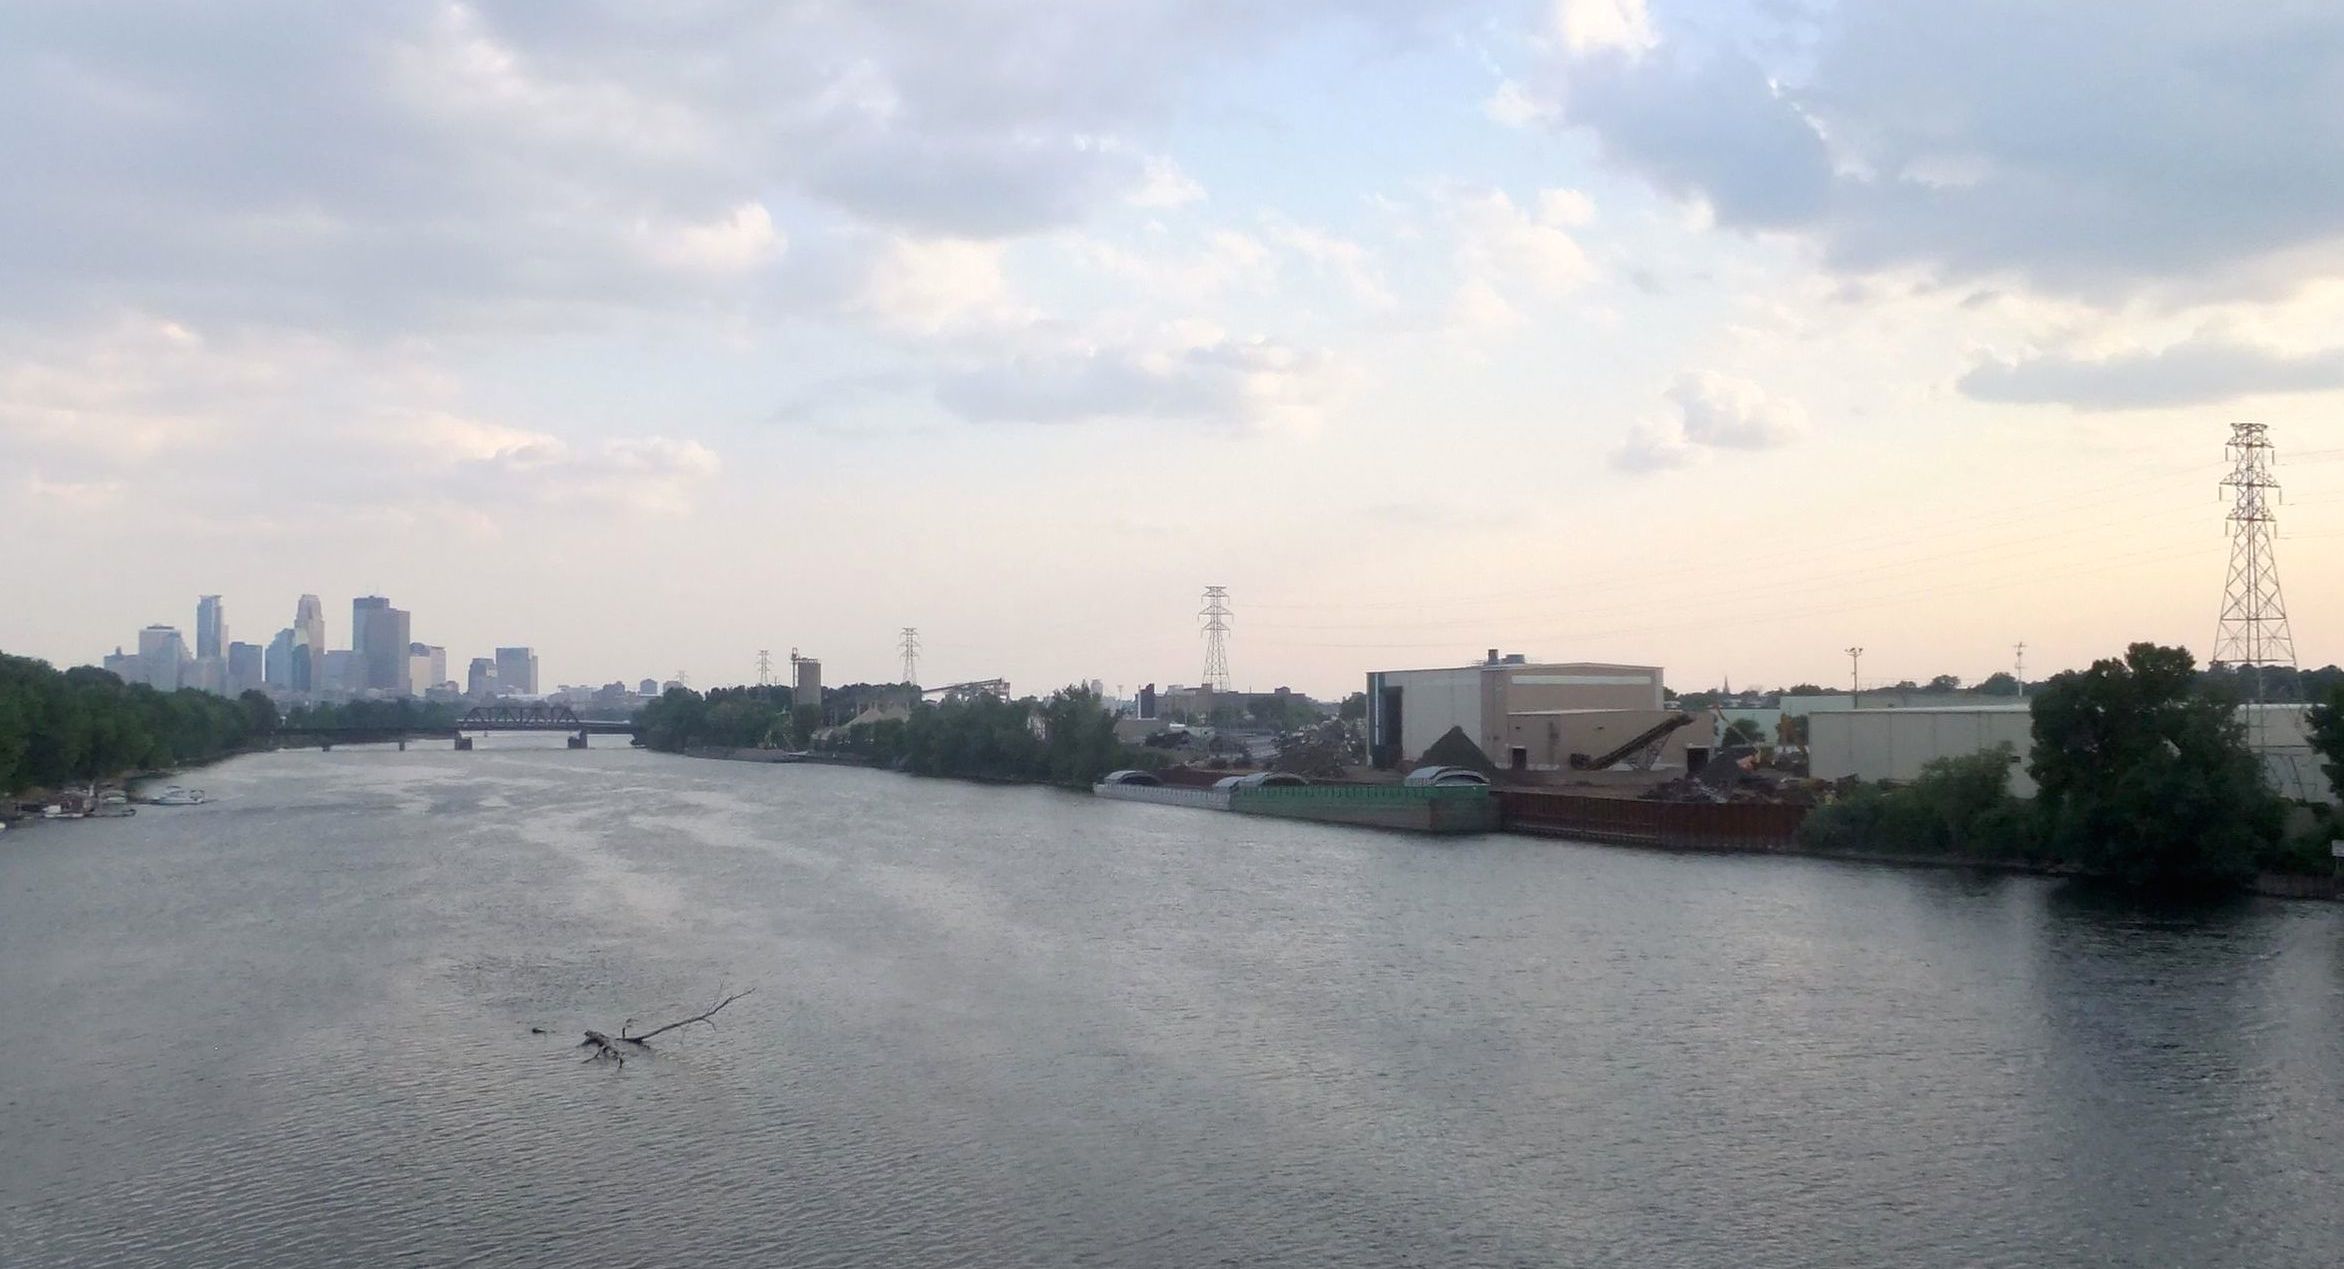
(1721, 334)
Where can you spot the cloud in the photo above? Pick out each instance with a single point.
(932, 285)
(2204, 370)
(1725, 413)
(1344, 259)
(1589, 25)
(1517, 107)
(1655, 447)
(1163, 184)
(164, 421)
(2101, 149)
(1508, 257)
(1713, 412)
(470, 461)
(1189, 376)
(411, 166)
(738, 241)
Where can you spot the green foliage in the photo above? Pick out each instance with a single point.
(2148, 780)
(1744, 731)
(978, 737)
(1960, 806)
(2325, 724)
(1353, 708)
(726, 718)
(1067, 739)
(86, 724)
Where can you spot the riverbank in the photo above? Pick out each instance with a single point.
(1672, 827)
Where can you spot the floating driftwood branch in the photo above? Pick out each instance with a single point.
(618, 1048)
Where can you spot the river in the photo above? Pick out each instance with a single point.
(1012, 1026)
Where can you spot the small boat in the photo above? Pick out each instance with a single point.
(177, 796)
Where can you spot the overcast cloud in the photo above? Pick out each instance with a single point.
(497, 304)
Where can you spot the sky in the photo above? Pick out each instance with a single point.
(1719, 336)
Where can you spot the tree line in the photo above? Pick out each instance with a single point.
(2143, 773)
(1066, 738)
(60, 727)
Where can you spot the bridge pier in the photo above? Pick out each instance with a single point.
(463, 744)
(402, 746)
(578, 741)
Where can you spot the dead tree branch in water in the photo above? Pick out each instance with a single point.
(617, 1048)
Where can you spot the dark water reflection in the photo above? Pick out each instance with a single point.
(1015, 1027)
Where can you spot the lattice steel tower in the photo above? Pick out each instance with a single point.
(764, 668)
(1216, 616)
(910, 648)
(2253, 630)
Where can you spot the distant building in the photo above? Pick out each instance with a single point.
(339, 669)
(247, 668)
(516, 672)
(427, 667)
(162, 654)
(211, 628)
(480, 679)
(205, 674)
(1524, 716)
(381, 646)
(277, 662)
(125, 666)
(307, 668)
(648, 687)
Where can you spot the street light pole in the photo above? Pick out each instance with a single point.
(1855, 679)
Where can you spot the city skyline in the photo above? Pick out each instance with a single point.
(1720, 336)
(300, 659)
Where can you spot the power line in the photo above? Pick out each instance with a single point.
(1216, 616)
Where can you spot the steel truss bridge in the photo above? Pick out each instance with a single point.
(481, 718)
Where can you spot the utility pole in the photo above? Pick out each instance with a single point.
(2018, 667)
(909, 646)
(1216, 616)
(764, 668)
(1855, 678)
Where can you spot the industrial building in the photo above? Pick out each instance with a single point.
(1894, 744)
(1531, 717)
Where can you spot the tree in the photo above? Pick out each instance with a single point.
(260, 713)
(1999, 683)
(1354, 708)
(1744, 731)
(2325, 724)
(1079, 738)
(2147, 780)
(1944, 683)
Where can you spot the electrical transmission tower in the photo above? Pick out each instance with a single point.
(764, 668)
(2253, 630)
(1216, 616)
(910, 647)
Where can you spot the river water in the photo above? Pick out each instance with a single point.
(1010, 1026)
